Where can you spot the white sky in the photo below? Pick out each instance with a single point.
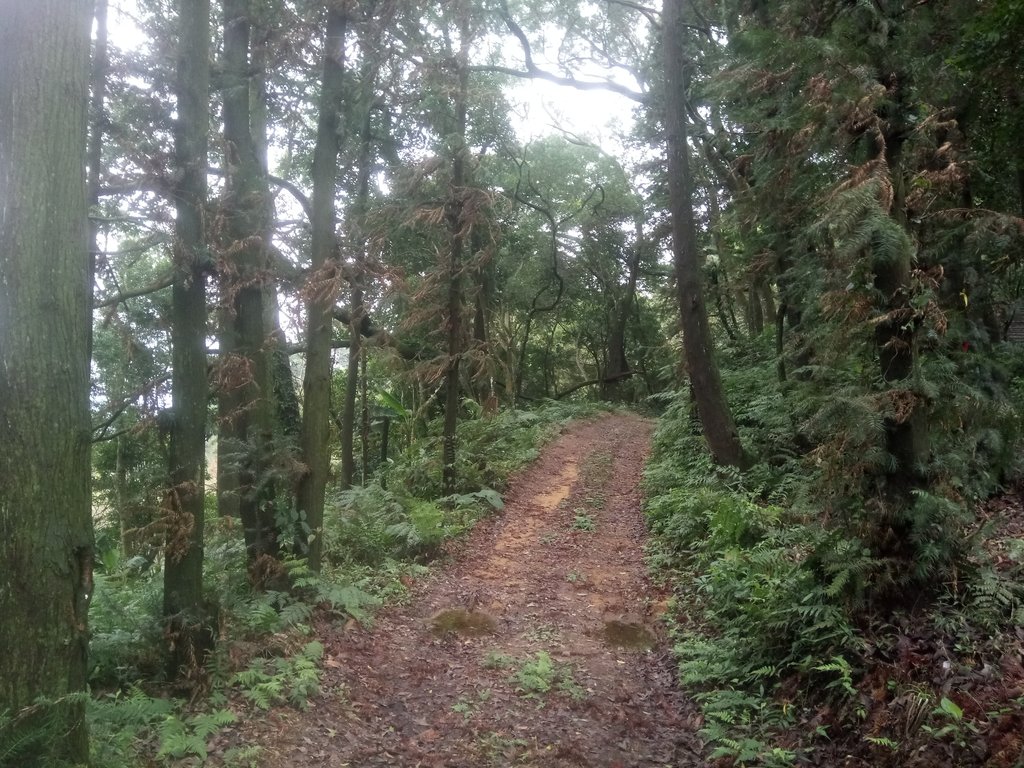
(543, 108)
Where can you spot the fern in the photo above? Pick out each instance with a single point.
(119, 723)
(293, 680)
(180, 738)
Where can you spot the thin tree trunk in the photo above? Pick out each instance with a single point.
(188, 632)
(287, 410)
(481, 303)
(618, 365)
(46, 542)
(534, 308)
(716, 418)
(316, 385)
(755, 311)
(358, 234)
(121, 496)
(364, 432)
(370, 50)
(1020, 174)
(723, 290)
(348, 411)
(764, 290)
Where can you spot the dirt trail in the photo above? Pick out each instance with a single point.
(539, 647)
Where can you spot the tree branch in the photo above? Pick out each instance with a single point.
(592, 382)
(294, 191)
(164, 282)
(651, 14)
(160, 187)
(124, 405)
(533, 72)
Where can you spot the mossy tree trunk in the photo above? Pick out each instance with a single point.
(190, 638)
(46, 546)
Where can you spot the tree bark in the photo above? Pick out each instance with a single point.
(716, 418)
(896, 339)
(457, 226)
(46, 544)
(246, 406)
(316, 385)
(188, 631)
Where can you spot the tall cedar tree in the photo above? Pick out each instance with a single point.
(46, 547)
(246, 407)
(317, 382)
(183, 505)
(715, 416)
(455, 219)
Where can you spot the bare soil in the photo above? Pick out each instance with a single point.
(540, 645)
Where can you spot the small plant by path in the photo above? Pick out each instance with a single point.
(583, 522)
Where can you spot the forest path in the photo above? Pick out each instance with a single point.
(539, 646)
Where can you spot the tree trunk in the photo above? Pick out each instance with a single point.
(316, 386)
(46, 545)
(358, 238)
(618, 365)
(246, 408)
(719, 276)
(755, 311)
(481, 377)
(457, 225)
(716, 418)
(895, 340)
(764, 290)
(348, 411)
(187, 628)
(364, 431)
(287, 409)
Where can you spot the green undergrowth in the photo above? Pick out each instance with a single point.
(376, 537)
(401, 515)
(490, 449)
(801, 632)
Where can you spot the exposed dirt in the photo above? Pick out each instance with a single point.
(539, 646)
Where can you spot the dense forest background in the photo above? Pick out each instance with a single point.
(338, 293)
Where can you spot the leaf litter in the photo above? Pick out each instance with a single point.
(539, 645)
